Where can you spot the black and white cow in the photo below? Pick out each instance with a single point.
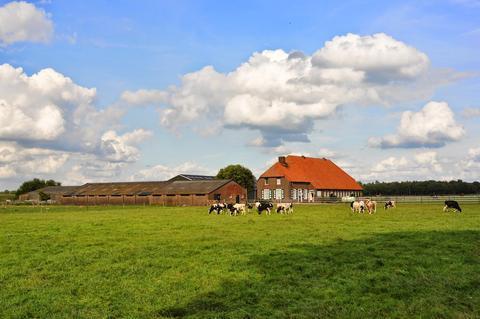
(286, 208)
(389, 204)
(452, 204)
(218, 207)
(264, 206)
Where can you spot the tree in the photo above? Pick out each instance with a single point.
(35, 184)
(43, 197)
(242, 175)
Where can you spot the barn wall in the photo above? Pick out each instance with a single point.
(101, 200)
(200, 200)
(142, 200)
(157, 199)
(129, 199)
(228, 193)
(80, 200)
(115, 200)
(67, 200)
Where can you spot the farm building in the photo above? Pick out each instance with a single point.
(300, 178)
(55, 193)
(177, 191)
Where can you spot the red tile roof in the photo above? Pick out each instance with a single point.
(320, 172)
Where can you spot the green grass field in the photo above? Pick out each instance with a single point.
(320, 262)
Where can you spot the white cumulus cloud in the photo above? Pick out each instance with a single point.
(21, 21)
(378, 57)
(164, 172)
(433, 126)
(122, 148)
(282, 95)
(49, 123)
(49, 110)
(16, 160)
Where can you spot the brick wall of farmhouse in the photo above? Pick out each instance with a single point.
(273, 184)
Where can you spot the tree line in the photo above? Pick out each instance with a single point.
(429, 188)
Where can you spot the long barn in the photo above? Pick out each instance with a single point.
(182, 190)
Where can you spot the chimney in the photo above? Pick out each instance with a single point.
(282, 160)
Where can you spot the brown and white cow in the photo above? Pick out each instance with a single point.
(371, 206)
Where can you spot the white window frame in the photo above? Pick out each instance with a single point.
(278, 193)
(266, 180)
(279, 181)
(266, 194)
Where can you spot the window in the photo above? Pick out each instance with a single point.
(279, 181)
(266, 194)
(266, 180)
(294, 193)
(319, 193)
(216, 196)
(278, 193)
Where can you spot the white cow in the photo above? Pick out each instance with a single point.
(286, 208)
(240, 208)
(357, 206)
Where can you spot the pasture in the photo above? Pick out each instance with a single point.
(320, 262)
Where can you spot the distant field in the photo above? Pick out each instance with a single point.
(322, 261)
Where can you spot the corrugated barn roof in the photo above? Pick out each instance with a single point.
(55, 190)
(192, 177)
(149, 188)
(121, 188)
(194, 187)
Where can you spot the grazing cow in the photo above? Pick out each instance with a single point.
(240, 208)
(232, 209)
(389, 204)
(357, 206)
(218, 207)
(371, 206)
(264, 206)
(286, 208)
(452, 204)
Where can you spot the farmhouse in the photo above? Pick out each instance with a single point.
(55, 193)
(178, 191)
(300, 178)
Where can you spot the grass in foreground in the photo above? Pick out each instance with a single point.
(323, 261)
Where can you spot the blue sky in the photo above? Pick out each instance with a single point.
(424, 68)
